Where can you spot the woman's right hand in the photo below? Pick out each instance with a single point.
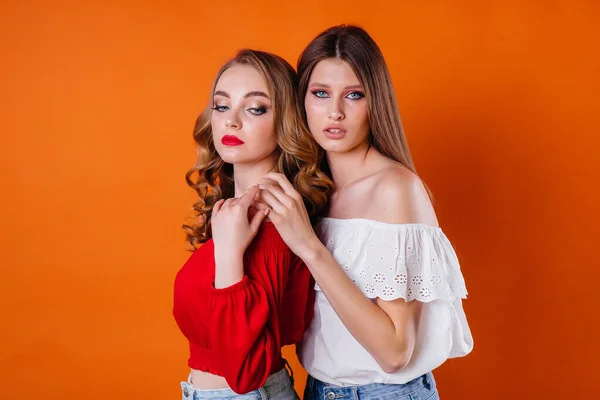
(231, 230)
(289, 216)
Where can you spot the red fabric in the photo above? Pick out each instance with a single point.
(237, 332)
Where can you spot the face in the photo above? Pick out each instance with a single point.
(336, 107)
(242, 117)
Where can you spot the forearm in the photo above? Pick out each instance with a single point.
(370, 325)
(229, 270)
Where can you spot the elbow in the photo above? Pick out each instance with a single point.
(395, 361)
(245, 388)
(249, 373)
(247, 383)
(393, 366)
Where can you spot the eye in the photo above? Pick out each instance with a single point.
(220, 108)
(258, 110)
(320, 94)
(355, 95)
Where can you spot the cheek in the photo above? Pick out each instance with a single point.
(365, 117)
(214, 122)
(313, 112)
(263, 128)
(361, 115)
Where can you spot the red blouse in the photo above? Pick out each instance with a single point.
(237, 332)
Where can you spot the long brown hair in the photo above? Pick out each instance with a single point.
(299, 158)
(353, 45)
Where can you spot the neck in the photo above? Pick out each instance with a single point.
(349, 166)
(248, 174)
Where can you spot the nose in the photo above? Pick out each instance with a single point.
(336, 114)
(232, 123)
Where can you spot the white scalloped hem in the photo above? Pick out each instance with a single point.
(426, 298)
(423, 293)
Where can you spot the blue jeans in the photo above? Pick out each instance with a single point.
(421, 388)
(279, 386)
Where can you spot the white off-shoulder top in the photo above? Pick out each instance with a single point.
(389, 261)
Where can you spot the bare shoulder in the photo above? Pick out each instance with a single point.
(400, 197)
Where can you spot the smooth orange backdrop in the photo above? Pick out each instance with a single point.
(500, 101)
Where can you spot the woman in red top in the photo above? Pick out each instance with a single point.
(243, 294)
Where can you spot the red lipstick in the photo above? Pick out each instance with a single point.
(231, 140)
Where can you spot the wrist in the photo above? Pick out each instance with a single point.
(314, 253)
(227, 259)
(224, 280)
(229, 270)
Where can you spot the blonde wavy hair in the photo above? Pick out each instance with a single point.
(299, 155)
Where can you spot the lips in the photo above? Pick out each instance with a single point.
(334, 132)
(231, 140)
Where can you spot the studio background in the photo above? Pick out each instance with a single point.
(500, 102)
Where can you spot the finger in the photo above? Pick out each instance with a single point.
(283, 198)
(285, 184)
(267, 181)
(273, 202)
(258, 204)
(233, 201)
(217, 207)
(248, 197)
(227, 203)
(257, 219)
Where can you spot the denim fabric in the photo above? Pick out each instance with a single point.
(421, 388)
(279, 386)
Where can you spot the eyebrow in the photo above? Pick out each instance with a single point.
(359, 86)
(247, 95)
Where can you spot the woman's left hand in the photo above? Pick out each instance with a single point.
(289, 215)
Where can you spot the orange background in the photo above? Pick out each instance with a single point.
(500, 103)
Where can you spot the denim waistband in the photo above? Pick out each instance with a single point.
(323, 390)
(275, 383)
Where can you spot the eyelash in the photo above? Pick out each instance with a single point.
(253, 110)
(258, 110)
(315, 93)
(360, 95)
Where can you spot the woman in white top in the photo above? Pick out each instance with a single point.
(389, 286)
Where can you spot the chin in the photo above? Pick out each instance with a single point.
(336, 149)
(229, 155)
(229, 160)
(337, 146)
(233, 160)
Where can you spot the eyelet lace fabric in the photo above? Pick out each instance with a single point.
(391, 261)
